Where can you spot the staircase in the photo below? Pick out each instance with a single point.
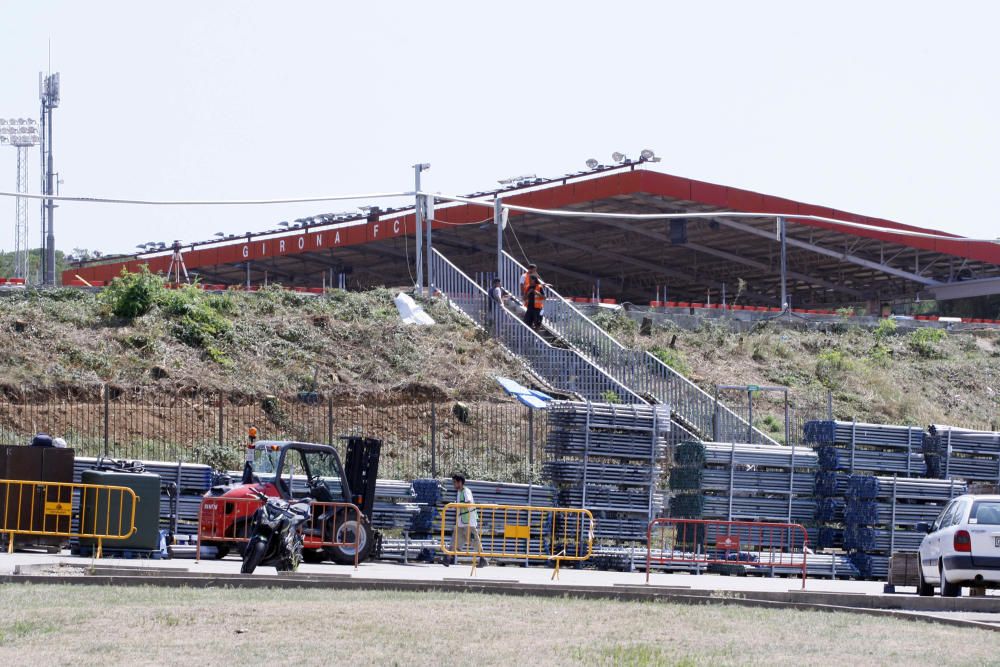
(560, 366)
(642, 372)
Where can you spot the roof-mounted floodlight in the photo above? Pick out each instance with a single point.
(592, 163)
(618, 157)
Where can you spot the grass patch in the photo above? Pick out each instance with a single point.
(100, 625)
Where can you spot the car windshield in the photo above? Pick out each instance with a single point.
(985, 512)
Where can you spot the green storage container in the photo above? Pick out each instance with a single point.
(96, 510)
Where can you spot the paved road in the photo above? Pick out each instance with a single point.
(527, 575)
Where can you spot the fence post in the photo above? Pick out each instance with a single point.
(433, 440)
(329, 421)
(107, 419)
(221, 429)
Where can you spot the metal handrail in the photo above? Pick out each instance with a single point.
(641, 371)
(564, 368)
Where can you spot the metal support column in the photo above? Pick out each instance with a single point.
(784, 264)
(418, 214)
(498, 221)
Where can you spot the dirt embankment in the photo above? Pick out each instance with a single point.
(345, 345)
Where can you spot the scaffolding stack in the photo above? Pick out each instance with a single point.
(882, 513)
(958, 453)
(609, 459)
(743, 482)
(872, 448)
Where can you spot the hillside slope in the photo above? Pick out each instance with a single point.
(348, 344)
(881, 375)
(352, 346)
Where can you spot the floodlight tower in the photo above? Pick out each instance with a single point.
(22, 134)
(48, 93)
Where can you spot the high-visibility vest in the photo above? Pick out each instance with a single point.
(535, 297)
(467, 516)
(525, 285)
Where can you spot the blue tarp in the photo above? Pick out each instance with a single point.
(530, 397)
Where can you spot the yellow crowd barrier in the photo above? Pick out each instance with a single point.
(102, 512)
(517, 532)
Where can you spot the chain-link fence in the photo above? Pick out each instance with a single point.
(501, 441)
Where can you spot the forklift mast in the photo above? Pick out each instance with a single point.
(361, 471)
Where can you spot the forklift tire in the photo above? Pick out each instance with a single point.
(345, 533)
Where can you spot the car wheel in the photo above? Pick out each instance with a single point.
(949, 590)
(923, 588)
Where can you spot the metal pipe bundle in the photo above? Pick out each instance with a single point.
(604, 444)
(757, 508)
(694, 454)
(837, 457)
(903, 488)
(874, 513)
(609, 499)
(825, 432)
(878, 541)
(962, 440)
(830, 483)
(830, 510)
(871, 566)
(191, 478)
(759, 455)
(743, 481)
(565, 415)
(568, 471)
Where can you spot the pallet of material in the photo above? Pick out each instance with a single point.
(903, 570)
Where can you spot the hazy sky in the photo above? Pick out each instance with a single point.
(882, 108)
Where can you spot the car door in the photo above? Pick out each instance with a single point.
(983, 525)
(930, 547)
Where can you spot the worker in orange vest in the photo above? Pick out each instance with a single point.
(534, 301)
(526, 281)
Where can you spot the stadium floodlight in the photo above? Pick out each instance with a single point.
(141, 247)
(221, 235)
(618, 157)
(283, 223)
(592, 163)
(20, 132)
(647, 155)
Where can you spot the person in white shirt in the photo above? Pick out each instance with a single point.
(466, 521)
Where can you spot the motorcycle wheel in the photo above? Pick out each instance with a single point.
(345, 533)
(253, 554)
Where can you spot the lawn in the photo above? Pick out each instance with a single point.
(118, 625)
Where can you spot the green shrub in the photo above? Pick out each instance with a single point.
(195, 321)
(831, 368)
(616, 323)
(672, 358)
(132, 295)
(926, 343)
(611, 396)
(772, 424)
(885, 329)
(881, 355)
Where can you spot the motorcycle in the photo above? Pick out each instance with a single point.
(275, 534)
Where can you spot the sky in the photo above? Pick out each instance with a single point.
(887, 109)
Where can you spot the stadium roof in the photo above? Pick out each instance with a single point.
(685, 259)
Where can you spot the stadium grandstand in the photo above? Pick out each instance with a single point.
(707, 258)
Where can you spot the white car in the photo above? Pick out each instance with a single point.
(962, 547)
